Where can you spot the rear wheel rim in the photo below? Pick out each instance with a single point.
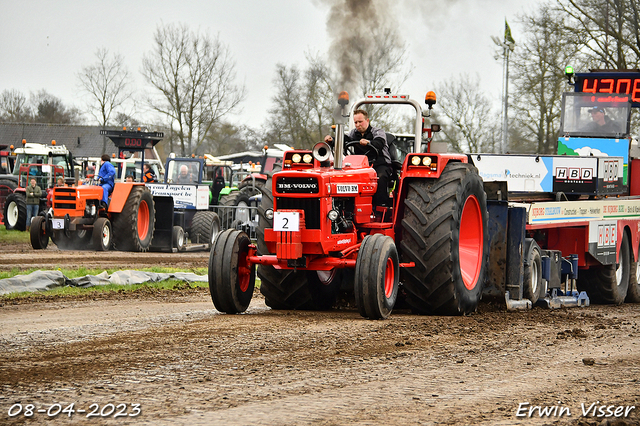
(143, 220)
(389, 278)
(470, 238)
(244, 272)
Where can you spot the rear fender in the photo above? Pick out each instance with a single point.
(120, 195)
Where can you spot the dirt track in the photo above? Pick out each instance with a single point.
(185, 363)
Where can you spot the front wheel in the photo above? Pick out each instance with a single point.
(231, 276)
(376, 277)
(102, 235)
(38, 235)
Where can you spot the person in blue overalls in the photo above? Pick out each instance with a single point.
(106, 177)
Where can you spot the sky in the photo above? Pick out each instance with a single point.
(44, 44)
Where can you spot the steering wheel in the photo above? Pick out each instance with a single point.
(351, 148)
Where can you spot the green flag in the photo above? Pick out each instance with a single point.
(507, 34)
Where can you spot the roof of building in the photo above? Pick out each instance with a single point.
(82, 141)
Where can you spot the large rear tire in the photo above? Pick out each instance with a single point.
(444, 232)
(15, 212)
(608, 284)
(205, 227)
(37, 233)
(282, 289)
(234, 207)
(7, 186)
(133, 227)
(633, 293)
(231, 277)
(376, 277)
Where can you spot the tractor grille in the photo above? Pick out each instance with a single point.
(311, 207)
(64, 198)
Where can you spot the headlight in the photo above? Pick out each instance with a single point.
(426, 161)
(415, 160)
(307, 158)
(296, 158)
(268, 214)
(332, 215)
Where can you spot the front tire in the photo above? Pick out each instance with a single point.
(444, 232)
(178, 239)
(38, 235)
(376, 277)
(102, 234)
(231, 276)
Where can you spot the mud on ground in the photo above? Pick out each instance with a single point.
(185, 363)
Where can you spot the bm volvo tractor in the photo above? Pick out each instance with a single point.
(318, 232)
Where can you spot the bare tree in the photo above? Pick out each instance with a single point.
(193, 75)
(606, 31)
(538, 65)
(107, 83)
(50, 109)
(473, 126)
(14, 107)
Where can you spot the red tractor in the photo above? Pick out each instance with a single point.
(319, 234)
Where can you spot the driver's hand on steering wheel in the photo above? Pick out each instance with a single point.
(328, 139)
(364, 142)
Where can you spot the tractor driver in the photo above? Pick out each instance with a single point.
(601, 122)
(184, 176)
(106, 176)
(367, 134)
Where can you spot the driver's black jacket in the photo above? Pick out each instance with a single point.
(378, 140)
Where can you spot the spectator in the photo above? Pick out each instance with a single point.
(34, 192)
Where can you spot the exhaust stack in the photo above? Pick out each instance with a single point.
(339, 115)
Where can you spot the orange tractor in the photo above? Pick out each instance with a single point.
(318, 233)
(78, 219)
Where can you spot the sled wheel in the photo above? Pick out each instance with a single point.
(608, 284)
(633, 293)
(231, 276)
(532, 278)
(376, 277)
(37, 234)
(102, 234)
(177, 236)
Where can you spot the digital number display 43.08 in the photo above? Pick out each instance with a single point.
(610, 82)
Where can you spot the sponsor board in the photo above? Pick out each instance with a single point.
(184, 196)
(580, 211)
